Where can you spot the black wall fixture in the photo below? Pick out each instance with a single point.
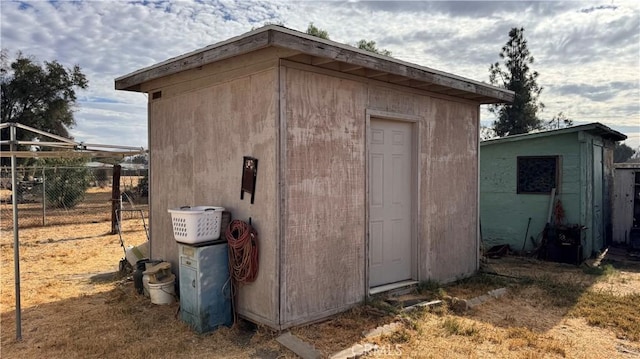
(249, 173)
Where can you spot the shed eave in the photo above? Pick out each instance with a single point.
(333, 51)
(278, 36)
(594, 128)
(235, 46)
(627, 166)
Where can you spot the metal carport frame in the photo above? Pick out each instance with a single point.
(70, 149)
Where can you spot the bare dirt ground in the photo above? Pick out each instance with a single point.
(75, 306)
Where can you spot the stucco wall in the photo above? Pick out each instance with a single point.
(451, 201)
(323, 244)
(197, 140)
(323, 250)
(447, 232)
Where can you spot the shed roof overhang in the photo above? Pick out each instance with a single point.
(326, 54)
(634, 166)
(594, 128)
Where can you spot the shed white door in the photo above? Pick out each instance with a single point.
(390, 202)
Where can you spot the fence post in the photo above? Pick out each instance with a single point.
(44, 198)
(16, 227)
(115, 199)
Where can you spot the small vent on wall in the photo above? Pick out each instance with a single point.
(156, 95)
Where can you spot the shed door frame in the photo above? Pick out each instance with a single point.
(415, 122)
(597, 198)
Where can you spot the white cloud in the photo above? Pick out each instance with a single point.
(587, 53)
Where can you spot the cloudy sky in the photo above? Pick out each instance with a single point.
(587, 53)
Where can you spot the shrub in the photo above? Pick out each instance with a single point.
(143, 185)
(66, 183)
(102, 177)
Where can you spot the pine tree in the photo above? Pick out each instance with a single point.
(521, 115)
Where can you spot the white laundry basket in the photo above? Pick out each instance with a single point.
(196, 224)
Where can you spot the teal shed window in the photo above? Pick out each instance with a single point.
(537, 175)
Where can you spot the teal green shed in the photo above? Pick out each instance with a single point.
(519, 175)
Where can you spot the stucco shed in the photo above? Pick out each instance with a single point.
(368, 165)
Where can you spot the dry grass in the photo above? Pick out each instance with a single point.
(607, 310)
(74, 306)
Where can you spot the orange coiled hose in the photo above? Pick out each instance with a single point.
(243, 251)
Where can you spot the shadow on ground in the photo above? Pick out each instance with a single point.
(121, 324)
(540, 295)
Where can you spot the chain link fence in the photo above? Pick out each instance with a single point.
(49, 196)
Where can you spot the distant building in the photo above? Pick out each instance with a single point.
(518, 173)
(626, 204)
